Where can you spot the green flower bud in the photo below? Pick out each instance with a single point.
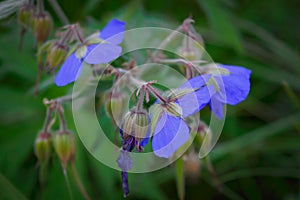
(115, 106)
(43, 147)
(42, 25)
(64, 145)
(56, 55)
(136, 124)
(25, 15)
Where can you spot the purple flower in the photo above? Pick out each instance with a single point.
(231, 87)
(103, 52)
(171, 131)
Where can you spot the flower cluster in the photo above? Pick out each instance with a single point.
(165, 122)
(210, 84)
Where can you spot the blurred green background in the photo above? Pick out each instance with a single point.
(258, 154)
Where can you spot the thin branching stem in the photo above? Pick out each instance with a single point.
(60, 13)
(47, 119)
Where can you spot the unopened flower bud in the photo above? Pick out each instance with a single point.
(25, 15)
(115, 106)
(42, 24)
(43, 147)
(192, 164)
(64, 145)
(56, 55)
(136, 124)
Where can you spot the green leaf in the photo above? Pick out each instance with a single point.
(255, 136)
(8, 190)
(222, 25)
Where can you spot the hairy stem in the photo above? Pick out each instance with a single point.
(141, 99)
(47, 120)
(40, 6)
(60, 111)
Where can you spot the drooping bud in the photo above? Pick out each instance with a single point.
(115, 106)
(192, 164)
(56, 55)
(136, 124)
(43, 147)
(64, 145)
(25, 15)
(42, 25)
(192, 44)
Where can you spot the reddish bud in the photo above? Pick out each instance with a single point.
(64, 145)
(43, 147)
(192, 164)
(25, 15)
(56, 55)
(42, 24)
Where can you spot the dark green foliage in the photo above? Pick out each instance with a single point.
(257, 156)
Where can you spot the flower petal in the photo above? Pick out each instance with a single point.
(193, 102)
(236, 85)
(237, 70)
(196, 82)
(103, 53)
(69, 71)
(124, 160)
(171, 135)
(216, 106)
(113, 32)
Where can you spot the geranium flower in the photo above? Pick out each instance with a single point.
(230, 86)
(105, 51)
(227, 85)
(171, 130)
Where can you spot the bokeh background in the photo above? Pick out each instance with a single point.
(258, 154)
